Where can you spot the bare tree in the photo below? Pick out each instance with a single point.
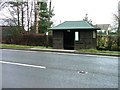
(31, 14)
(28, 18)
(118, 18)
(17, 11)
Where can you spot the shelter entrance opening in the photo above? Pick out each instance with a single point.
(69, 38)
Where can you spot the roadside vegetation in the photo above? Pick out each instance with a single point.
(111, 42)
(13, 46)
(98, 51)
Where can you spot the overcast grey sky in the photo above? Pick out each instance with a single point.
(100, 11)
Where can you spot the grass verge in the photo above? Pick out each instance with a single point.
(13, 46)
(98, 51)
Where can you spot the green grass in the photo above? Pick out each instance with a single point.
(99, 51)
(20, 46)
(43, 47)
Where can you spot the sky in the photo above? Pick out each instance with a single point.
(99, 11)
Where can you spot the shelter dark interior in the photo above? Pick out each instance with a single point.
(74, 35)
(69, 38)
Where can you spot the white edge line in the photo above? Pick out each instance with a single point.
(21, 64)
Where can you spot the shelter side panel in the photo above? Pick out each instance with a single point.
(57, 39)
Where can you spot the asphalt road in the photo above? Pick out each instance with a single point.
(32, 69)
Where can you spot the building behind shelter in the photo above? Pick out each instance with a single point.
(105, 28)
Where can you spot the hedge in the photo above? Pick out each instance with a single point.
(30, 39)
(103, 42)
(108, 42)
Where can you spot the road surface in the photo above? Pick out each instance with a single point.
(32, 69)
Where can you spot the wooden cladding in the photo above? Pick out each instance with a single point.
(75, 39)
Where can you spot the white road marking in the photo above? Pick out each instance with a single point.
(21, 64)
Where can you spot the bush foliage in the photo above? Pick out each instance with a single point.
(30, 39)
(108, 43)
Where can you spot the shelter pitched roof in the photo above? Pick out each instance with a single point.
(74, 25)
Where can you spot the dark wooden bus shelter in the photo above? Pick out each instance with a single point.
(74, 35)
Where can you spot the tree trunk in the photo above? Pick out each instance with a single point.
(18, 14)
(31, 16)
(49, 13)
(22, 18)
(36, 17)
(28, 18)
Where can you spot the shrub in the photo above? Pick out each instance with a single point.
(36, 40)
(108, 42)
